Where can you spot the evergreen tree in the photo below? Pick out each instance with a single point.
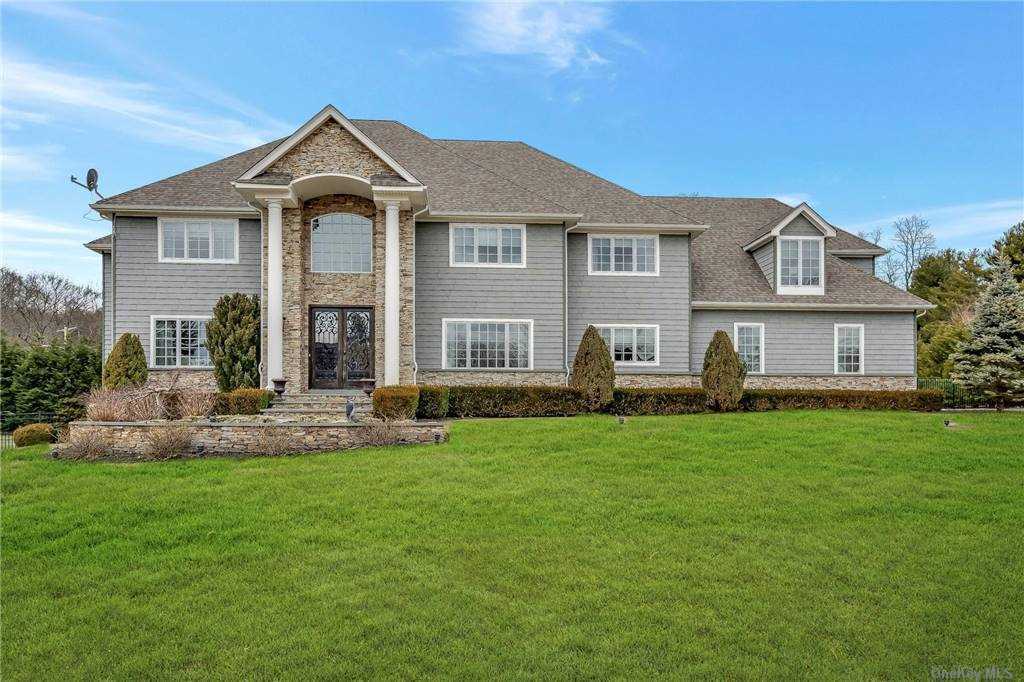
(233, 339)
(934, 357)
(1011, 246)
(593, 371)
(126, 364)
(50, 382)
(723, 374)
(992, 359)
(11, 357)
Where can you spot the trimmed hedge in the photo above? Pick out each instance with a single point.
(516, 401)
(32, 434)
(639, 401)
(396, 402)
(433, 402)
(243, 401)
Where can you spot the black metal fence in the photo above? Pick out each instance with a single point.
(954, 395)
(6, 441)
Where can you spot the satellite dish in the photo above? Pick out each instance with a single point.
(92, 179)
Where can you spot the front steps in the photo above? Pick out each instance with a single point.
(319, 406)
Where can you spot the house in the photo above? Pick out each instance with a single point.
(382, 254)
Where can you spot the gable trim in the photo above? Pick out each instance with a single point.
(328, 112)
(802, 210)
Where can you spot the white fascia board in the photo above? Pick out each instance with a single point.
(639, 228)
(105, 210)
(496, 217)
(328, 112)
(862, 253)
(767, 305)
(803, 209)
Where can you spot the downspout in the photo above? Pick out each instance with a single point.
(263, 321)
(415, 366)
(113, 284)
(565, 301)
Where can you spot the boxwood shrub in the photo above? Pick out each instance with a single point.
(658, 401)
(243, 401)
(32, 434)
(396, 402)
(433, 402)
(640, 401)
(515, 401)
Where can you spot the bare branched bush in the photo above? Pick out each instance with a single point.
(105, 405)
(88, 447)
(167, 442)
(195, 403)
(144, 405)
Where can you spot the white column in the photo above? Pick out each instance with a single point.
(275, 293)
(392, 294)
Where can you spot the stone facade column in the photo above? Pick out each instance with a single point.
(392, 294)
(275, 293)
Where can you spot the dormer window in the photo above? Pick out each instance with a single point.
(801, 262)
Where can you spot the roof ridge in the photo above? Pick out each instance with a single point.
(708, 196)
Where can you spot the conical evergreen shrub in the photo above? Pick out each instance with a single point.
(593, 371)
(723, 374)
(233, 339)
(126, 364)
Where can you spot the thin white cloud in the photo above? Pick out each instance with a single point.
(20, 163)
(64, 12)
(15, 119)
(979, 220)
(28, 224)
(557, 33)
(138, 108)
(794, 199)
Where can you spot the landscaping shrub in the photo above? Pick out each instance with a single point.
(659, 401)
(433, 402)
(166, 442)
(233, 339)
(192, 403)
(106, 405)
(516, 401)
(11, 357)
(761, 400)
(593, 371)
(126, 364)
(32, 434)
(723, 374)
(243, 401)
(51, 381)
(144, 405)
(90, 447)
(396, 402)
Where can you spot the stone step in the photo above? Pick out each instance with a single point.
(321, 400)
(292, 411)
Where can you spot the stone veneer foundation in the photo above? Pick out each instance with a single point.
(462, 378)
(131, 439)
(196, 379)
(862, 383)
(866, 383)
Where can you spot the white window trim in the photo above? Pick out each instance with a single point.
(835, 348)
(152, 341)
(445, 321)
(736, 342)
(634, 363)
(475, 227)
(340, 272)
(633, 273)
(800, 289)
(160, 240)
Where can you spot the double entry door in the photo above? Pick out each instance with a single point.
(340, 346)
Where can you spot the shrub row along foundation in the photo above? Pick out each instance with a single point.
(172, 439)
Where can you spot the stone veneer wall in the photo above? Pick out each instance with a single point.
(463, 378)
(131, 439)
(867, 383)
(199, 379)
(863, 383)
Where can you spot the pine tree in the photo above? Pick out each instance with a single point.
(723, 374)
(593, 371)
(11, 357)
(233, 339)
(1011, 246)
(126, 364)
(51, 380)
(992, 359)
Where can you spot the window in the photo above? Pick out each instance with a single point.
(631, 345)
(341, 242)
(800, 265)
(748, 340)
(211, 241)
(179, 342)
(849, 345)
(487, 246)
(488, 344)
(611, 255)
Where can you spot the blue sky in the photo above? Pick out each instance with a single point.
(867, 111)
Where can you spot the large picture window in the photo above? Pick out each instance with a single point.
(179, 342)
(341, 242)
(488, 344)
(800, 265)
(487, 245)
(208, 241)
(631, 345)
(849, 348)
(612, 255)
(748, 340)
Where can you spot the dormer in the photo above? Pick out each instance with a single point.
(791, 252)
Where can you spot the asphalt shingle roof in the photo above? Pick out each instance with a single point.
(724, 273)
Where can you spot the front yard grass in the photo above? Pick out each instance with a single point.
(790, 544)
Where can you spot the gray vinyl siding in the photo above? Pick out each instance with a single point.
(147, 287)
(867, 264)
(802, 343)
(533, 292)
(765, 257)
(108, 318)
(801, 227)
(613, 299)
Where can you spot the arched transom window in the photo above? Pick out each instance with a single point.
(341, 242)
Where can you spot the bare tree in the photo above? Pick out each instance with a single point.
(39, 307)
(890, 269)
(912, 241)
(874, 236)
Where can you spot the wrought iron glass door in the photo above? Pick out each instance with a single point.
(340, 347)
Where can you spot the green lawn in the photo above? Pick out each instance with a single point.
(804, 544)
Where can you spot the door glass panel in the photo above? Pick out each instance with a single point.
(325, 347)
(358, 348)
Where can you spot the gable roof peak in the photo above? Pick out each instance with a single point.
(774, 228)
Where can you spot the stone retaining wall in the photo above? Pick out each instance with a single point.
(134, 440)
